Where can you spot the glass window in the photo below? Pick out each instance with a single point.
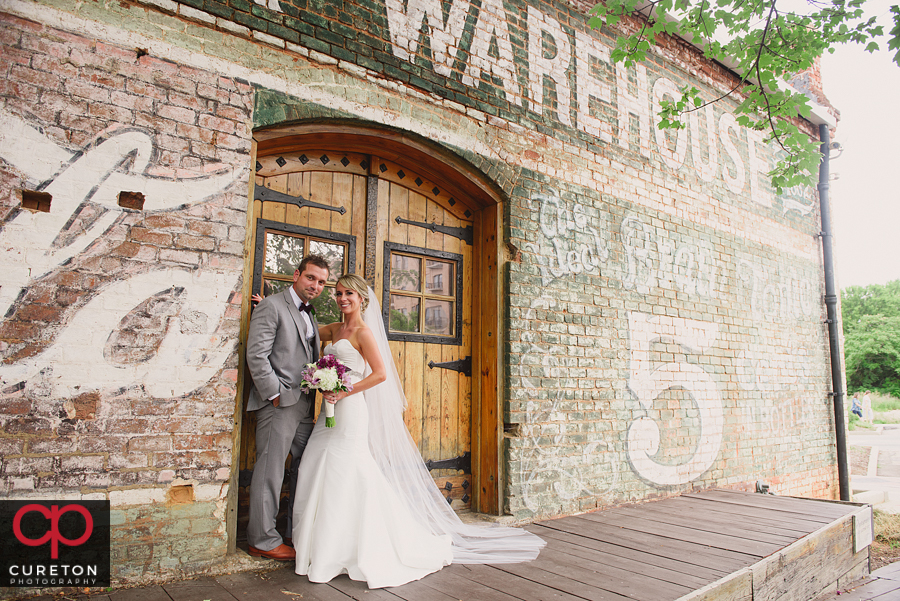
(283, 253)
(429, 312)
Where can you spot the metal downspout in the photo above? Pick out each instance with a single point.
(831, 301)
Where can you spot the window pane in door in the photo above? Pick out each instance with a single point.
(438, 315)
(404, 313)
(326, 309)
(283, 253)
(333, 254)
(406, 273)
(271, 287)
(439, 277)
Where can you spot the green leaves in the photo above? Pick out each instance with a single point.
(871, 318)
(768, 46)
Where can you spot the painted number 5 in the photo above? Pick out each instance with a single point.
(648, 383)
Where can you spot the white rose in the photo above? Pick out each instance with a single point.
(328, 379)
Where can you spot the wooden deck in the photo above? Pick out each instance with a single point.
(718, 544)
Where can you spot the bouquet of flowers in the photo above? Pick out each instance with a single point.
(328, 375)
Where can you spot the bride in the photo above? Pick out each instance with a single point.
(365, 504)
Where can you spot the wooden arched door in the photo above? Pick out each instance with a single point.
(416, 243)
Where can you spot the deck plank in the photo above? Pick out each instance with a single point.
(520, 588)
(459, 586)
(149, 593)
(360, 590)
(687, 534)
(201, 589)
(689, 552)
(709, 523)
(703, 573)
(796, 525)
(614, 569)
(606, 577)
(529, 571)
(278, 584)
(808, 507)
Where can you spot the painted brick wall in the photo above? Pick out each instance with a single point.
(664, 325)
(118, 342)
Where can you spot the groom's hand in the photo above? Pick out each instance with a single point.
(276, 400)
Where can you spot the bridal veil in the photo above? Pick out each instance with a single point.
(398, 457)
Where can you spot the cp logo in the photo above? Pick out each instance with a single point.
(53, 535)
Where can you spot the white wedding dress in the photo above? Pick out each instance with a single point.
(347, 517)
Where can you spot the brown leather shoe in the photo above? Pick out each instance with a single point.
(281, 553)
(288, 541)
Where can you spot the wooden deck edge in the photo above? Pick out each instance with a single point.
(820, 562)
(737, 586)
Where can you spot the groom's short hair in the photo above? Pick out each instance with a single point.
(315, 260)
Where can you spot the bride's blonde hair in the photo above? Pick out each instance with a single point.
(351, 281)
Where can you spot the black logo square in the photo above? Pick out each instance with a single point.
(54, 543)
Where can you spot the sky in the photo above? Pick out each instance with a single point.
(865, 187)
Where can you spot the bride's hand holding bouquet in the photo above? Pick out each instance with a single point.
(330, 376)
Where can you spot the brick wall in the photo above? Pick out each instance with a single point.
(664, 324)
(118, 343)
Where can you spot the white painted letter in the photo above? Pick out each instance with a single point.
(637, 104)
(735, 183)
(706, 171)
(588, 86)
(406, 25)
(492, 24)
(757, 194)
(555, 68)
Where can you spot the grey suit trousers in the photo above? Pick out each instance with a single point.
(279, 431)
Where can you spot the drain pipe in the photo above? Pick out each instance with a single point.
(831, 301)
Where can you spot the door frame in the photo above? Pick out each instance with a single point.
(482, 200)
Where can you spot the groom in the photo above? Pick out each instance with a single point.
(283, 338)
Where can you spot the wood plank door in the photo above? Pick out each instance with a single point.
(345, 206)
(423, 259)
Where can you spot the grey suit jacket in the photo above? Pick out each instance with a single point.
(277, 352)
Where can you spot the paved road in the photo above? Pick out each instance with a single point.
(884, 478)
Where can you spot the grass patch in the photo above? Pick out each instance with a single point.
(857, 424)
(887, 528)
(886, 545)
(883, 402)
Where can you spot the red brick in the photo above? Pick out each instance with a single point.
(157, 124)
(110, 112)
(127, 426)
(141, 88)
(129, 101)
(167, 221)
(126, 55)
(15, 406)
(39, 79)
(195, 242)
(187, 442)
(150, 236)
(155, 64)
(82, 89)
(11, 446)
(212, 92)
(179, 256)
(52, 64)
(190, 101)
(40, 313)
(208, 228)
(217, 123)
(28, 425)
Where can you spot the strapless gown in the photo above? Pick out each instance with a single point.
(347, 519)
